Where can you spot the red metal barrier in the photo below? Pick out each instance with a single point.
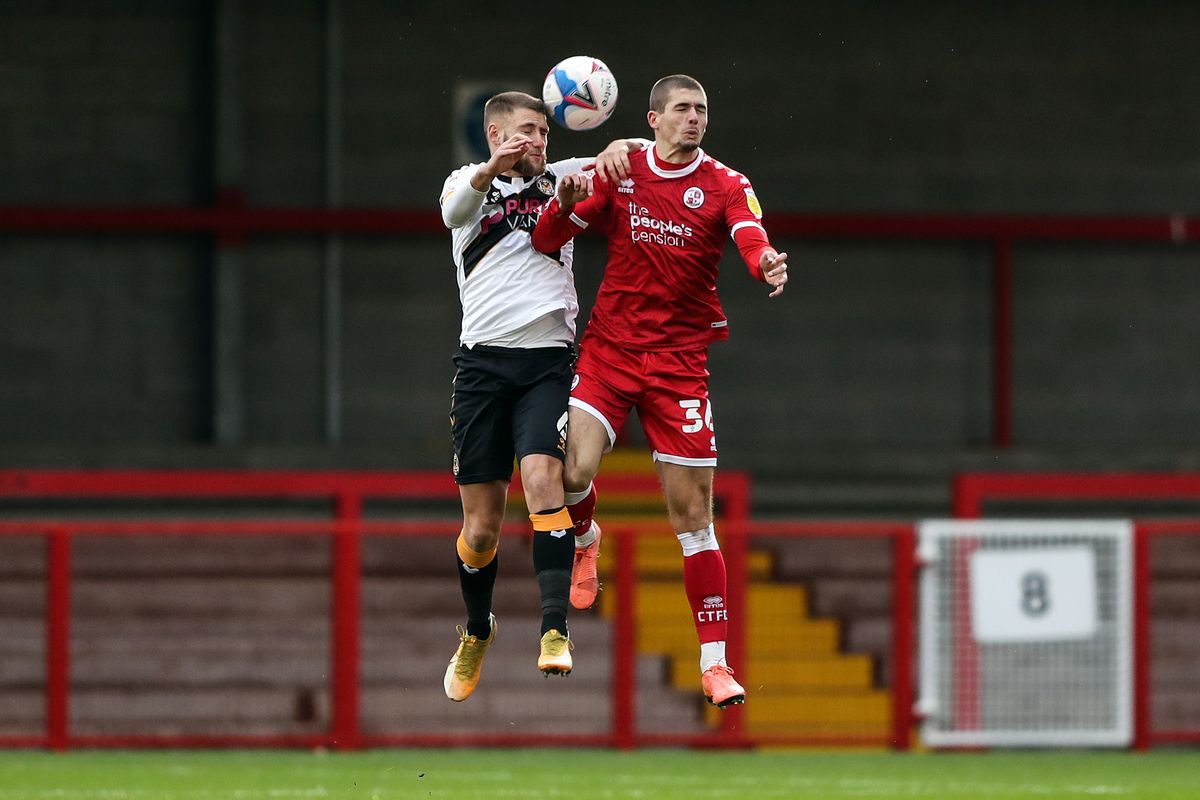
(345, 732)
(346, 531)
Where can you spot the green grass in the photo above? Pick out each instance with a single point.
(583, 774)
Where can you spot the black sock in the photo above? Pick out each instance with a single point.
(552, 560)
(477, 594)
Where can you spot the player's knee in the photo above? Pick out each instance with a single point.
(544, 493)
(576, 477)
(542, 480)
(693, 521)
(482, 538)
(481, 528)
(690, 511)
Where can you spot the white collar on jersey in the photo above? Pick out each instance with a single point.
(652, 160)
(517, 182)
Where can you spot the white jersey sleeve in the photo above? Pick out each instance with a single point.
(569, 166)
(460, 201)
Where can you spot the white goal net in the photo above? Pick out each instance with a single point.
(1026, 633)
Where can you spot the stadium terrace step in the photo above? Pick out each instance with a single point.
(807, 557)
(187, 710)
(22, 557)
(850, 598)
(658, 599)
(153, 556)
(839, 671)
(252, 597)
(540, 706)
(1174, 673)
(1177, 596)
(807, 637)
(1174, 637)
(1175, 557)
(660, 556)
(1175, 709)
(777, 710)
(532, 706)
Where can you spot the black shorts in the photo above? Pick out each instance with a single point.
(508, 403)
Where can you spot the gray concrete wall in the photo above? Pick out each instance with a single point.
(938, 107)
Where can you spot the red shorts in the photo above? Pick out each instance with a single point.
(669, 391)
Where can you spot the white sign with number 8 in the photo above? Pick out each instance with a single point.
(1038, 594)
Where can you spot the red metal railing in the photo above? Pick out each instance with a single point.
(346, 532)
(349, 491)
(345, 731)
(229, 222)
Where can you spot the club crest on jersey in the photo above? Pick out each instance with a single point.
(752, 203)
(693, 197)
(545, 186)
(493, 197)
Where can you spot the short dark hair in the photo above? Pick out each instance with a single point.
(505, 103)
(664, 86)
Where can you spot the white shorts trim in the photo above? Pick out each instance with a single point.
(612, 435)
(684, 461)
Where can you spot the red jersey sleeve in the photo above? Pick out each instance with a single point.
(554, 229)
(743, 215)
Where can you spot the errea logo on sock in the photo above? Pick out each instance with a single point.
(714, 610)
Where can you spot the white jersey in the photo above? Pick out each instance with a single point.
(511, 295)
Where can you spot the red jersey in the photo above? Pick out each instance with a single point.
(666, 226)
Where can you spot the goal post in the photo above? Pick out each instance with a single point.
(1026, 633)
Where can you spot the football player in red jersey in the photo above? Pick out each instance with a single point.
(646, 343)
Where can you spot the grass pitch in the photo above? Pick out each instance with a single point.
(585, 774)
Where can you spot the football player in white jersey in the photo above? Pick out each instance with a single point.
(514, 370)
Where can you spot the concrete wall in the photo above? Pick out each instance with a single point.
(1076, 108)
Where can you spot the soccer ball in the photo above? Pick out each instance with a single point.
(580, 93)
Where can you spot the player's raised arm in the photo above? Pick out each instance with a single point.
(504, 158)
(464, 192)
